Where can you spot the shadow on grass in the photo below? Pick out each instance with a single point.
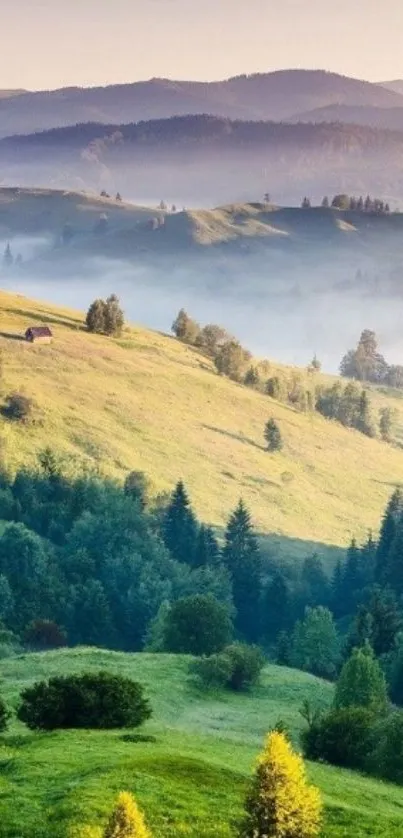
(238, 437)
(12, 336)
(47, 318)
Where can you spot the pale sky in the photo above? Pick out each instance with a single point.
(53, 43)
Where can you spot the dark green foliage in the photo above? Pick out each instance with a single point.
(237, 667)
(242, 559)
(247, 663)
(350, 406)
(105, 317)
(44, 634)
(390, 520)
(341, 737)
(232, 359)
(387, 759)
(95, 319)
(197, 625)
(315, 584)
(341, 202)
(91, 700)
(361, 683)
(315, 644)
(180, 527)
(185, 329)
(4, 715)
(272, 435)
(252, 378)
(114, 317)
(18, 407)
(25, 563)
(207, 551)
(377, 623)
(275, 607)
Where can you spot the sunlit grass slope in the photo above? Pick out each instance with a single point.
(146, 401)
(192, 779)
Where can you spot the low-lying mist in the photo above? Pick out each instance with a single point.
(285, 310)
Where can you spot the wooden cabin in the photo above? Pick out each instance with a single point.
(39, 334)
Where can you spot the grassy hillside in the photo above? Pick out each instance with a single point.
(148, 402)
(191, 781)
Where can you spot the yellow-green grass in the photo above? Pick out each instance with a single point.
(192, 779)
(146, 401)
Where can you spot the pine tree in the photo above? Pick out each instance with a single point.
(127, 820)
(281, 804)
(392, 515)
(361, 682)
(95, 319)
(275, 608)
(180, 527)
(241, 557)
(272, 435)
(207, 548)
(337, 590)
(365, 422)
(325, 202)
(114, 317)
(8, 258)
(351, 588)
(393, 572)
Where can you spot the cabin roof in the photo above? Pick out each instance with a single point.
(39, 332)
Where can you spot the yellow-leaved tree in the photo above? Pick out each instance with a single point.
(126, 821)
(281, 804)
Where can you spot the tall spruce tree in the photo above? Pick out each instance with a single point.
(393, 569)
(207, 551)
(241, 557)
(180, 527)
(393, 513)
(351, 578)
(275, 608)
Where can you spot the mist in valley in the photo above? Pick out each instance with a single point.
(282, 307)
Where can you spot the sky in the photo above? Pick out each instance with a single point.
(55, 43)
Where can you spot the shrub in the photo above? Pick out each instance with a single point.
(45, 634)
(341, 737)
(247, 663)
(237, 667)
(126, 820)
(212, 671)
(18, 407)
(99, 700)
(281, 804)
(387, 760)
(197, 625)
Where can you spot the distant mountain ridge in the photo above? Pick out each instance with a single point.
(267, 96)
(210, 160)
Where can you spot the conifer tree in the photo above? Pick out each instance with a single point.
(8, 258)
(281, 804)
(127, 820)
(325, 202)
(361, 682)
(393, 513)
(180, 527)
(351, 578)
(95, 319)
(114, 317)
(275, 608)
(207, 551)
(272, 435)
(241, 557)
(393, 571)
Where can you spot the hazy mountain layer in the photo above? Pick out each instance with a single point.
(276, 96)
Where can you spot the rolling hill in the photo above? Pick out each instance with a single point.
(190, 777)
(275, 96)
(148, 402)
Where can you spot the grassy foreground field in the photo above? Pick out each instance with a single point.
(148, 402)
(192, 779)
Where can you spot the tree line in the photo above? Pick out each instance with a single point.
(351, 405)
(374, 206)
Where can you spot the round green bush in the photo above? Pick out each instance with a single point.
(92, 700)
